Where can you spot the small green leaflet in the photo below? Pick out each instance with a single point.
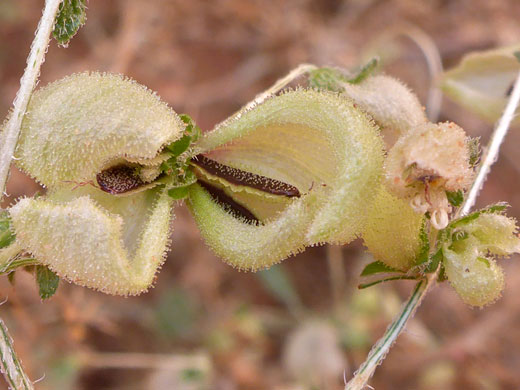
(178, 192)
(497, 208)
(71, 16)
(180, 146)
(377, 267)
(455, 197)
(517, 55)
(365, 71)
(47, 281)
(331, 79)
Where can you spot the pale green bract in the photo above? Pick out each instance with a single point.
(483, 81)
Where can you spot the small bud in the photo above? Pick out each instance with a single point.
(469, 256)
(425, 163)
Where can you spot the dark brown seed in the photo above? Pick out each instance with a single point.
(509, 90)
(243, 178)
(231, 205)
(119, 179)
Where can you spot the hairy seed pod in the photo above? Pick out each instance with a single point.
(78, 126)
(107, 131)
(392, 105)
(91, 238)
(315, 144)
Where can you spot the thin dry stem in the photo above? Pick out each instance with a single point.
(10, 364)
(36, 57)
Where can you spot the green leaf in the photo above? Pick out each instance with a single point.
(179, 192)
(517, 55)
(71, 16)
(365, 71)
(496, 208)
(47, 281)
(6, 234)
(455, 197)
(180, 146)
(404, 277)
(377, 267)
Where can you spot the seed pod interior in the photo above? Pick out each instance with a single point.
(88, 120)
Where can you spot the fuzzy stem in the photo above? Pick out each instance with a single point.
(381, 348)
(10, 364)
(36, 57)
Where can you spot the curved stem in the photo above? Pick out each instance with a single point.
(9, 137)
(381, 348)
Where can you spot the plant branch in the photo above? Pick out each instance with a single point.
(381, 348)
(36, 57)
(10, 364)
(493, 147)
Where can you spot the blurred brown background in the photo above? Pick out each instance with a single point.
(301, 324)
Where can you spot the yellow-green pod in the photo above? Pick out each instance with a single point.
(483, 81)
(89, 137)
(391, 231)
(94, 239)
(325, 151)
(82, 124)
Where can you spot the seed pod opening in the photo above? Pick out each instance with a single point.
(304, 163)
(83, 124)
(91, 238)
